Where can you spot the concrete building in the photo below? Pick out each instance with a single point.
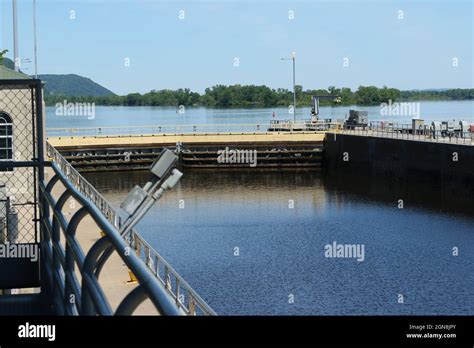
(17, 143)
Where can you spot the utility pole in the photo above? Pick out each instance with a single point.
(15, 38)
(34, 38)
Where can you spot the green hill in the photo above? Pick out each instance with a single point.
(70, 85)
(8, 63)
(73, 86)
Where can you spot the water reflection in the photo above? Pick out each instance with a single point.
(280, 222)
(423, 193)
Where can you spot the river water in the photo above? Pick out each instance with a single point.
(111, 116)
(254, 242)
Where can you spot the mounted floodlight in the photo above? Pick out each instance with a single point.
(163, 164)
(133, 200)
(160, 167)
(140, 200)
(172, 179)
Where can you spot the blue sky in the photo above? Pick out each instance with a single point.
(198, 51)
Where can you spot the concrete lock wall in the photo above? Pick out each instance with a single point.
(406, 158)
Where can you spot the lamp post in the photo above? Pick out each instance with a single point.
(293, 58)
(15, 37)
(34, 39)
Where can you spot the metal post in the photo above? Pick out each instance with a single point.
(294, 87)
(40, 127)
(15, 37)
(293, 58)
(34, 38)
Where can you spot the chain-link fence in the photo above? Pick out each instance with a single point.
(18, 152)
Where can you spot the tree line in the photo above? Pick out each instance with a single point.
(263, 96)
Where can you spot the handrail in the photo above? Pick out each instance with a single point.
(92, 298)
(406, 132)
(154, 130)
(182, 129)
(185, 298)
(162, 125)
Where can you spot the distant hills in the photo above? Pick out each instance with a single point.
(69, 85)
(72, 85)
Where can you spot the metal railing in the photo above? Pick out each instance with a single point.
(68, 295)
(127, 131)
(407, 132)
(305, 125)
(157, 130)
(184, 297)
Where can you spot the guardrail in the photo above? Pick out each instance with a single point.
(68, 295)
(407, 132)
(305, 125)
(158, 129)
(184, 297)
(190, 129)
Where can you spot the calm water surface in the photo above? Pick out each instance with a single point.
(281, 250)
(111, 116)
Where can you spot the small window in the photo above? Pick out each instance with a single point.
(6, 141)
